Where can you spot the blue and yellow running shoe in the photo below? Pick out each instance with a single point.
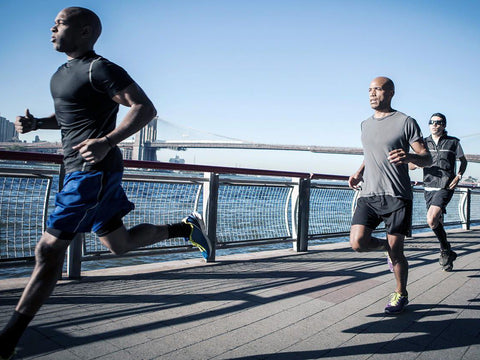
(198, 236)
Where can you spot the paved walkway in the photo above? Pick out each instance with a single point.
(327, 303)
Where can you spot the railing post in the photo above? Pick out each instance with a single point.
(464, 208)
(300, 214)
(74, 257)
(210, 209)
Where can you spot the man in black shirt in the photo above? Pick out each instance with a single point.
(440, 180)
(87, 92)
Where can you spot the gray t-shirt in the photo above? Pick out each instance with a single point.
(379, 137)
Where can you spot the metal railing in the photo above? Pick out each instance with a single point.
(242, 207)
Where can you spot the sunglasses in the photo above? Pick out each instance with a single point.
(436, 122)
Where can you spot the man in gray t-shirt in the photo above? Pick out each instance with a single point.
(386, 194)
(379, 137)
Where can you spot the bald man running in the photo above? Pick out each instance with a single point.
(386, 193)
(87, 92)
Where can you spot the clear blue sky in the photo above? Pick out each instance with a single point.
(273, 71)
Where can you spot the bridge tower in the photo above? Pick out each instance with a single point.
(141, 146)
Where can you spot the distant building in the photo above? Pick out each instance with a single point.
(177, 160)
(7, 131)
(126, 151)
(471, 181)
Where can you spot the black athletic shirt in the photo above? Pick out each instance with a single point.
(82, 91)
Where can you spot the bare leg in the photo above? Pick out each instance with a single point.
(361, 239)
(399, 261)
(49, 256)
(434, 216)
(122, 240)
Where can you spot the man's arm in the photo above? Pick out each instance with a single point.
(461, 171)
(356, 178)
(27, 123)
(421, 156)
(140, 114)
(463, 165)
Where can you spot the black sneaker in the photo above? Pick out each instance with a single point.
(447, 260)
(443, 259)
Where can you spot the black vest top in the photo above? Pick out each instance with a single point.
(444, 155)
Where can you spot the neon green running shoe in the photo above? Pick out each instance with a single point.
(396, 304)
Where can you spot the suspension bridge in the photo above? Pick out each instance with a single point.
(145, 143)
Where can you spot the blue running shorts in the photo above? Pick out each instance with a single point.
(87, 202)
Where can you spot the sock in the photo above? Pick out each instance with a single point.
(179, 230)
(12, 333)
(442, 237)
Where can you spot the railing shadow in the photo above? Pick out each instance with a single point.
(431, 335)
(275, 272)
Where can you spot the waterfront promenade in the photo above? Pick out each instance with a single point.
(327, 303)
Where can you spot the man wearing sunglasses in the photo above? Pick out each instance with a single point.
(440, 180)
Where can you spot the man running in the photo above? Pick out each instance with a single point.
(386, 194)
(440, 180)
(87, 92)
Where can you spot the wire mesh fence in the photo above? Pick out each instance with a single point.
(250, 209)
(253, 212)
(330, 210)
(22, 214)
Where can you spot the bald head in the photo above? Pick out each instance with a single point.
(385, 82)
(85, 18)
(381, 92)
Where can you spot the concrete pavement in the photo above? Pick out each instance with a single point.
(324, 304)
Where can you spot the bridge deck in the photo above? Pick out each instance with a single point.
(327, 303)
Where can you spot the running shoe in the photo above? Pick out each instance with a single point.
(198, 236)
(446, 260)
(389, 261)
(445, 257)
(396, 304)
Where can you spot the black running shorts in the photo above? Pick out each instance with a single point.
(396, 213)
(440, 198)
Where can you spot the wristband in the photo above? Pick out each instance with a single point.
(108, 141)
(459, 176)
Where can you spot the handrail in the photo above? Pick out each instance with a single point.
(57, 159)
(159, 165)
(31, 156)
